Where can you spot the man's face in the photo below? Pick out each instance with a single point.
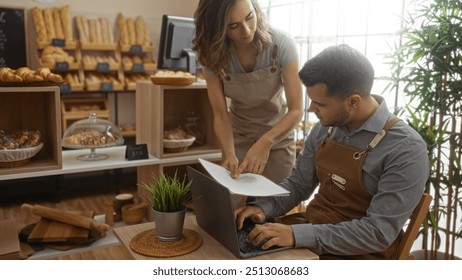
(331, 111)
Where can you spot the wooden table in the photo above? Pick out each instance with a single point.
(210, 248)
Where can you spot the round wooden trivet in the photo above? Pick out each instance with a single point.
(147, 244)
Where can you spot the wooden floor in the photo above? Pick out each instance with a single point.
(85, 200)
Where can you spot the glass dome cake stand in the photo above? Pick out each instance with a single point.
(92, 133)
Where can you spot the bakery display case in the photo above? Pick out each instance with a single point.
(36, 109)
(92, 133)
(75, 109)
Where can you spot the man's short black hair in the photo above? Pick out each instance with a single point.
(342, 68)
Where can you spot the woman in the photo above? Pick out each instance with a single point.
(247, 61)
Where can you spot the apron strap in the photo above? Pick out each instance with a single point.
(381, 134)
(274, 58)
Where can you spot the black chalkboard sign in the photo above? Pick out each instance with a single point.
(13, 44)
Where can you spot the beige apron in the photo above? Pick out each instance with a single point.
(342, 195)
(257, 104)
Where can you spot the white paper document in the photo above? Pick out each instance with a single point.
(249, 184)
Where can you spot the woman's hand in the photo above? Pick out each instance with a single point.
(256, 158)
(231, 164)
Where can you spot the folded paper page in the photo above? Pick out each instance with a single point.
(249, 184)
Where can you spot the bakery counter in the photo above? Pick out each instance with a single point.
(116, 160)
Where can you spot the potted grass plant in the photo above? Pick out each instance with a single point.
(168, 196)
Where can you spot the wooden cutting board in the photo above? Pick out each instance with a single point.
(50, 231)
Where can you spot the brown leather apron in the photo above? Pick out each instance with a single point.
(342, 195)
(257, 104)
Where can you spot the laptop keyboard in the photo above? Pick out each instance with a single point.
(244, 246)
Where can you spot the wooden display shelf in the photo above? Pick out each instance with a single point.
(72, 45)
(98, 46)
(161, 108)
(33, 108)
(52, 66)
(94, 66)
(98, 87)
(128, 67)
(144, 48)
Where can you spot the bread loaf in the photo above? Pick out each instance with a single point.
(123, 29)
(104, 30)
(66, 22)
(48, 18)
(139, 25)
(39, 24)
(93, 32)
(57, 23)
(131, 31)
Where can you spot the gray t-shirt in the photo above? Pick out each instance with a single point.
(287, 53)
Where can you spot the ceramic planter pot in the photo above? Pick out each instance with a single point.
(169, 225)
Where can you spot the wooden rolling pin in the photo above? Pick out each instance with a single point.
(66, 217)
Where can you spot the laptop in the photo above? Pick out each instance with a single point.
(215, 215)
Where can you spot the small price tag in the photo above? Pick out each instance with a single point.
(136, 49)
(61, 66)
(106, 86)
(65, 88)
(135, 152)
(58, 42)
(102, 67)
(138, 68)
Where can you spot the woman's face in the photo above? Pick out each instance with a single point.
(242, 23)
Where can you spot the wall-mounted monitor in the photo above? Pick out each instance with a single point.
(175, 46)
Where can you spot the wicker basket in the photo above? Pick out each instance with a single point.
(18, 157)
(175, 146)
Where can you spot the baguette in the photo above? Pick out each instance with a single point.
(48, 17)
(131, 31)
(57, 23)
(123, 29)
(93, 33)
(104, 30)
(39, 24)
(139, 24)
(66, 21)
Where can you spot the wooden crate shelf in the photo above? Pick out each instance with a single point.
(33, 108)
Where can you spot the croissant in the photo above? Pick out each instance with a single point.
(7, 75)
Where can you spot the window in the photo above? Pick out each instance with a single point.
(367, 25)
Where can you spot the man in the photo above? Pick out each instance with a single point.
(371, 168)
